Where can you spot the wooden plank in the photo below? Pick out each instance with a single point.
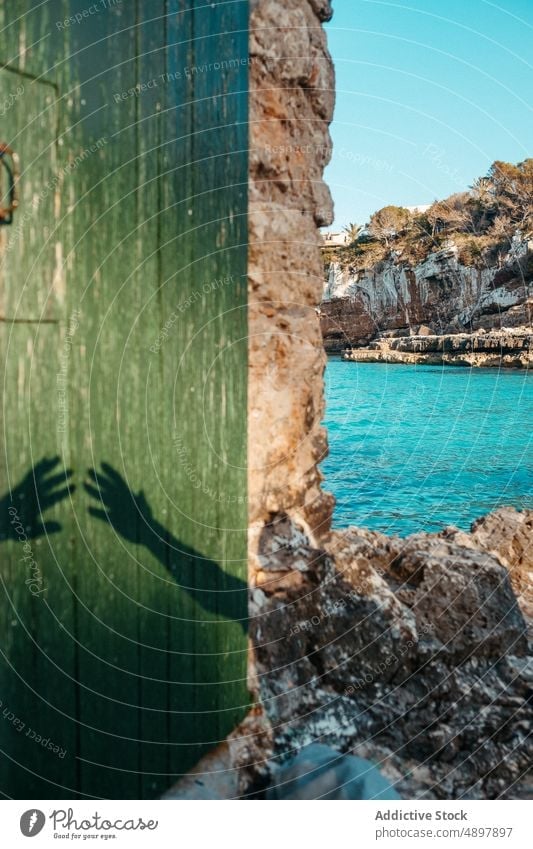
(154, 580)
(37, 678)
(104, 390)
(205, 513)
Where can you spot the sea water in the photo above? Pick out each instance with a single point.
(416, 448)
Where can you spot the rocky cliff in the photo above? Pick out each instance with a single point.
(511, 348)
(441, 294)
(414, 653)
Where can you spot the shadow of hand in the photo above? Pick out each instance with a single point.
(130, 515)
(21, 509)
(123, 509)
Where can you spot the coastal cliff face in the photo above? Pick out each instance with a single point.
(441, 294)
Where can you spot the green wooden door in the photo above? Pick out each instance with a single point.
(124, 357)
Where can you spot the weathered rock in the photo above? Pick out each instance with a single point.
(284, 555)
(412, 652)
(508, 534)
(499, 349)
(323, 9)
(441, 292)
(464, 596)
(291, 104)
(320, 772)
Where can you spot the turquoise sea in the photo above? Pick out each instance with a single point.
(415, 448)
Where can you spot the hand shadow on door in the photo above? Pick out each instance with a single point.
(144, 688)
(22, 507)
(130, 515)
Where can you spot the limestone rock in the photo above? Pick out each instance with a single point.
(508, 534)
(500, 349)
(463, 595)
(411, 652)
(291, 105)
(439, 293)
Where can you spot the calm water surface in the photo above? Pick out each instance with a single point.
(415, 448)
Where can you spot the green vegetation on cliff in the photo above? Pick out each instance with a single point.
(481, 222)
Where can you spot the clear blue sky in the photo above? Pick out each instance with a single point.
(429, 94)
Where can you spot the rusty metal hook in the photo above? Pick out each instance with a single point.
(13, 170)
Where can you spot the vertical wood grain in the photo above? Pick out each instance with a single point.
(144, 637)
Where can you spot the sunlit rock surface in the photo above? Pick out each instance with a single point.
(496, 349)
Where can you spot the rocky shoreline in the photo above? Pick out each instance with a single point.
(496, 349)
(415, 653)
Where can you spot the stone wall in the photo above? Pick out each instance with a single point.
(291, 106)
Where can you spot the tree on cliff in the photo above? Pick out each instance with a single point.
(353, 231)
(503, 226)
(481, 222)
(454, 213)
(387, 223)
(513, 189)
(483, 190)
